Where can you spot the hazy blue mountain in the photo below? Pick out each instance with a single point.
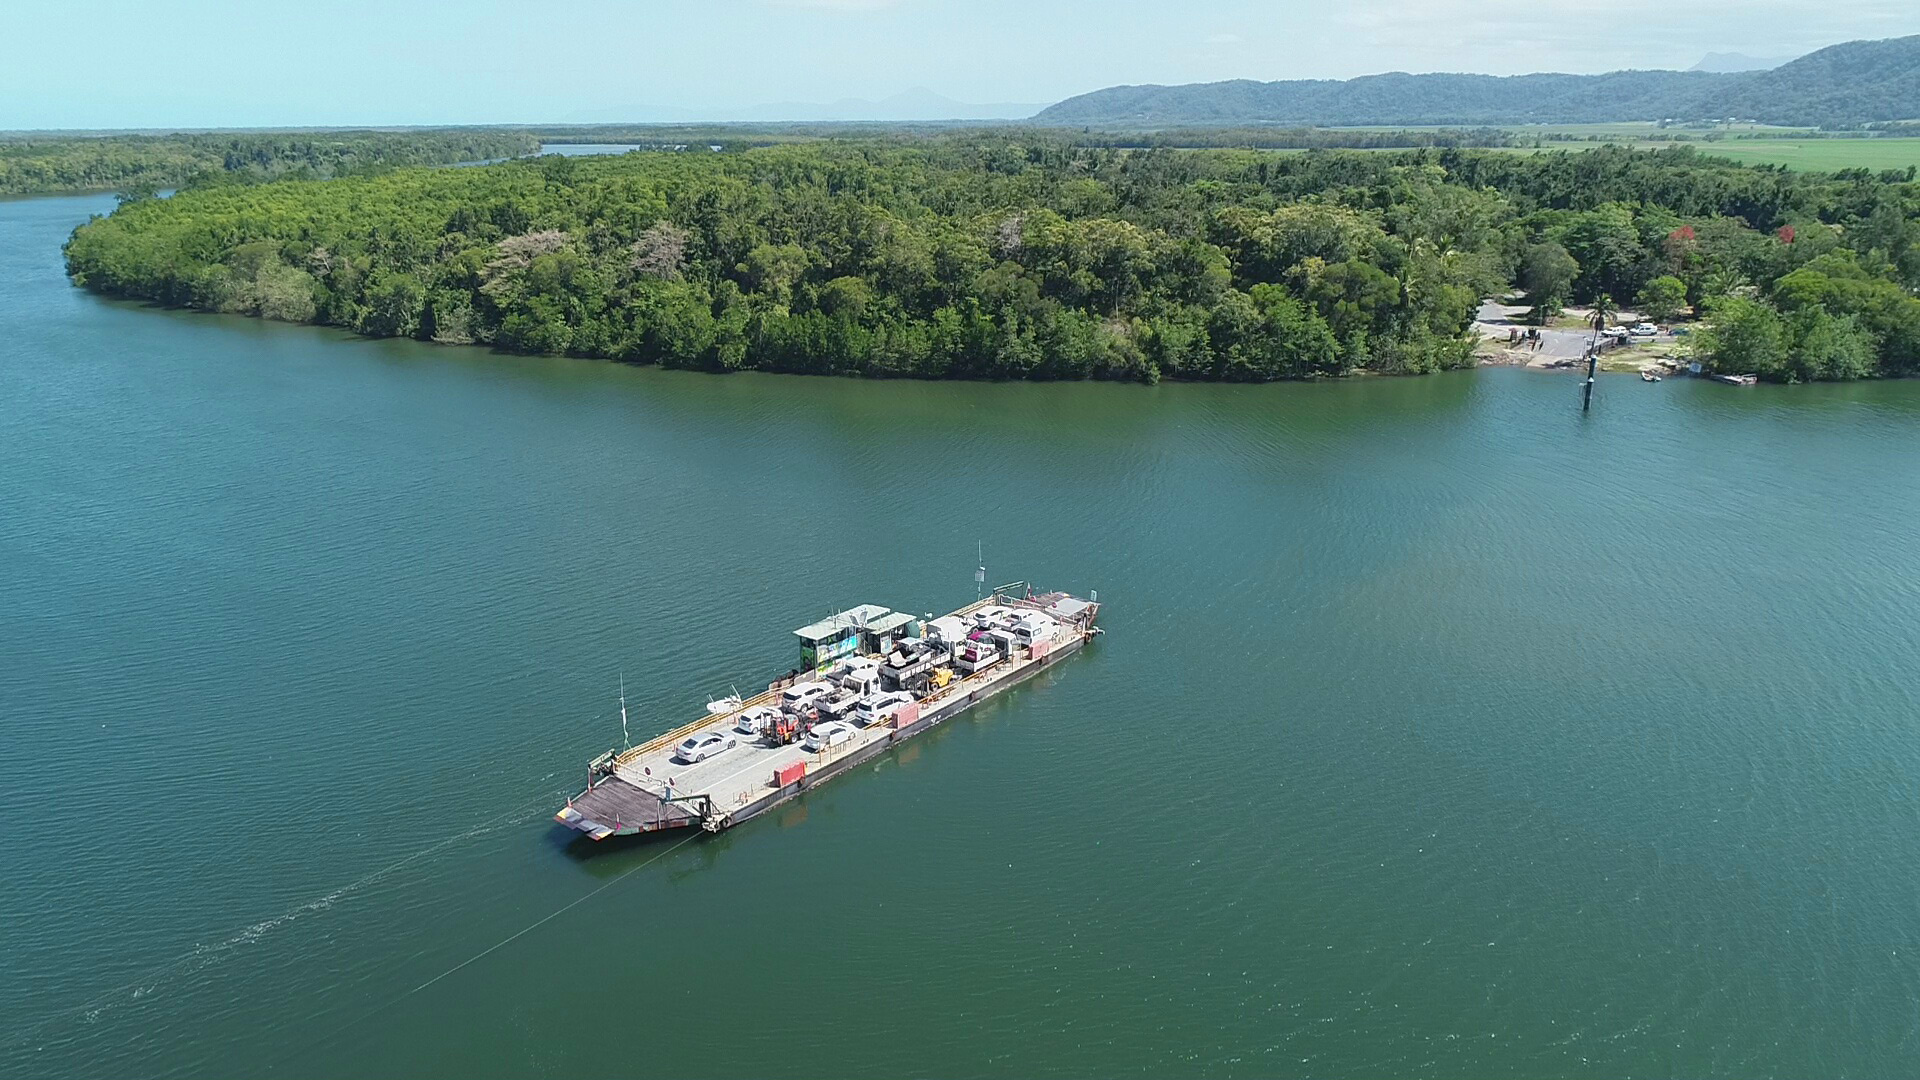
(918, 103)
(1732, 61)
(1843, 85)
(1855, 83)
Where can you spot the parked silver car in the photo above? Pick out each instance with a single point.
(701, 747)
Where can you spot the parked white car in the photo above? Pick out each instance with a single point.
(753, 722)
(801, 694)
(859, 675)
(881, 707)
(1645, 329)
(701, 747)
(832, 733)
(854, 669)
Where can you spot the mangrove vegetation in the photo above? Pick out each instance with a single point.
(976, 256)
(142, 164)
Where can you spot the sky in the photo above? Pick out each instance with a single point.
(268, 63)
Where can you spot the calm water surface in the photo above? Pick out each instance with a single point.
(1439, 730)
(586, 149)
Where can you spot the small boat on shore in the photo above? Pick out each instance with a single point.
(1648, 376)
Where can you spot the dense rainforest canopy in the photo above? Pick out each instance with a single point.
(975, 256)
(1255, 136)
(32, 164)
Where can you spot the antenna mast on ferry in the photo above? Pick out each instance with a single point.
(625, 739)
(980, 572)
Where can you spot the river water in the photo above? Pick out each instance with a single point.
(1439, 730)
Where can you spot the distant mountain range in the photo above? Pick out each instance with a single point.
(917, 104)
(1841, 86)
(1733, 61)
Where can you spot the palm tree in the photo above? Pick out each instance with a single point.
(1721, 281)
(1604, 309)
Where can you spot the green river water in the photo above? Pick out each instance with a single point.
(1439, 731)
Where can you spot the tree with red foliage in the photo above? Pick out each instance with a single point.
(1680, 243)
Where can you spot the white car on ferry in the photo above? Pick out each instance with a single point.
(1033, 627)
(699, 748)
(753, 722)
(801, 695)
(854, 668)
(880, 707)
(830, 734)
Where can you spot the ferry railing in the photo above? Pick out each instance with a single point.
(661, 742)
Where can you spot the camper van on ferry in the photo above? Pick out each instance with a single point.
(1032, 627)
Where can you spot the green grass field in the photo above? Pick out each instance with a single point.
(1646, 129)
(1809, 155)
(1625, 129)
(1765, 146)
(1823, 155)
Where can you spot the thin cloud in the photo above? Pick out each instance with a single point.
(845, 6)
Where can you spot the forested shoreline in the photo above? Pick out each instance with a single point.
(142, 163)
(973, 256)
(36, 164)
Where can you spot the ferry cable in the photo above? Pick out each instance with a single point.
(544, 920)
(489, 950)
(210, 954)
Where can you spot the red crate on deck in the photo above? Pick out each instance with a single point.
(1041, 648)
(906, 715)
(790, 774)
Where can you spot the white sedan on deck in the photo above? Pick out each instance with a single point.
(699, 748)
(832, 733)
